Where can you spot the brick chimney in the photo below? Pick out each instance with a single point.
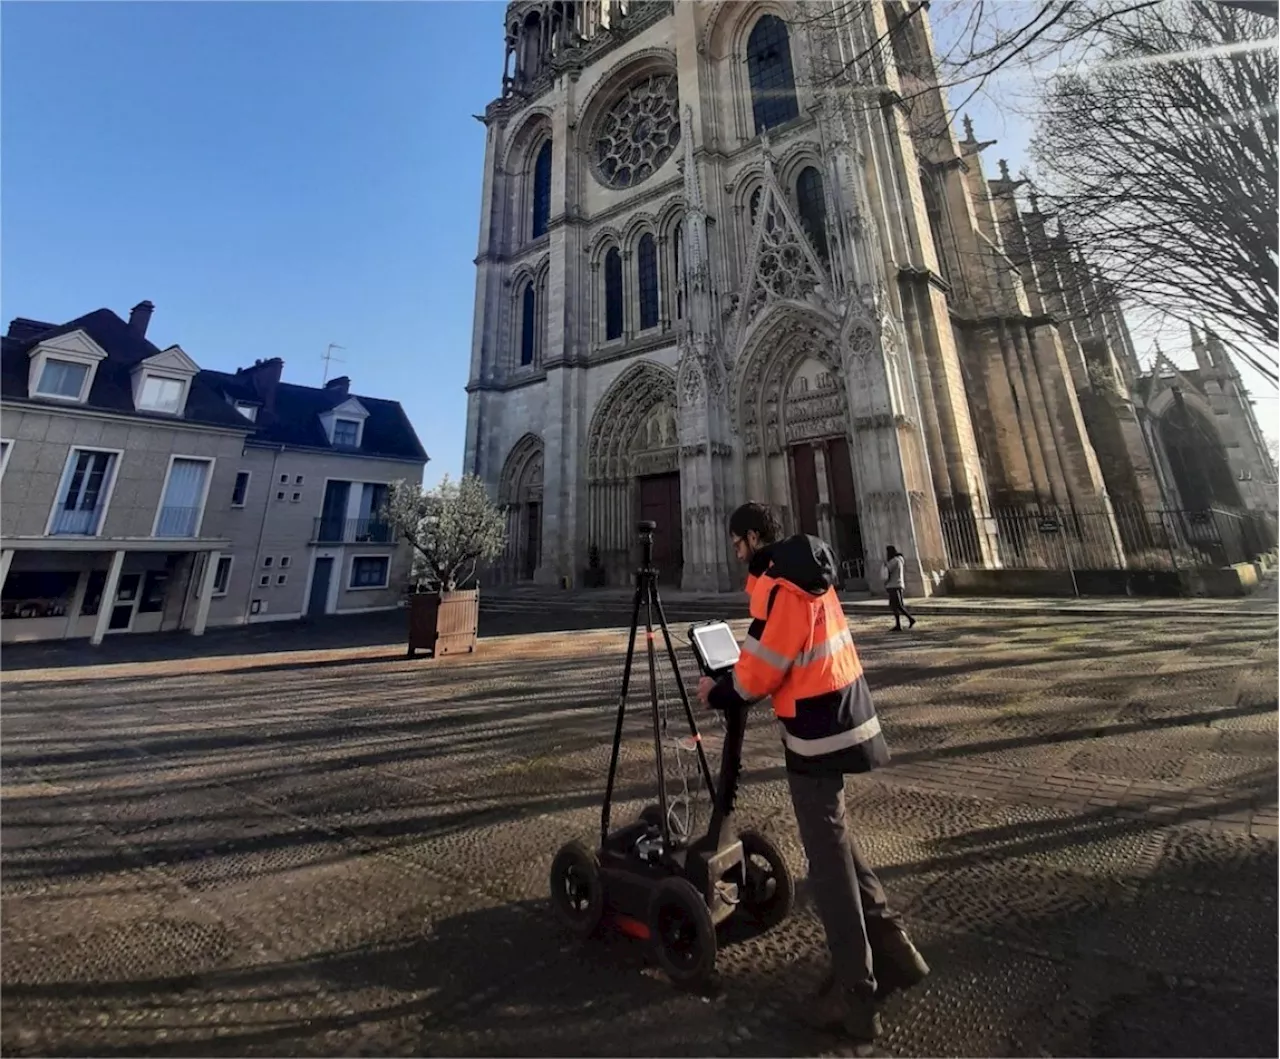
(140, 317)
(342, 385)
(265, 377)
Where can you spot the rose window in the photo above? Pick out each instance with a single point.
(639, 132)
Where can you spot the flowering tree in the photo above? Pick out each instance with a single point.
(453, 528)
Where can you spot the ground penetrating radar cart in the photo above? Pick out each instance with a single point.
(648, 879)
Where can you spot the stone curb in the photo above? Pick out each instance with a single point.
(678, 604)
(996, 609)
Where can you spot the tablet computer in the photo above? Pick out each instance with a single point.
(715, 645)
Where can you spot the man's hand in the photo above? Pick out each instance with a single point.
(704, 689)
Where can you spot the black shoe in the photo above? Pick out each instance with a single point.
(913, 623)
(895, 959)
(838, 1010)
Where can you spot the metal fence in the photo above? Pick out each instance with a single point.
(1125, 538)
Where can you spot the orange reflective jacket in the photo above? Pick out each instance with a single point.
(799, 651)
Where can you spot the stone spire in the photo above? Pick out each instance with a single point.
(697, 268)
(1203, 360)
(1218, 356)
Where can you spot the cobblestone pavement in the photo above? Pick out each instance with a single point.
(345, 852)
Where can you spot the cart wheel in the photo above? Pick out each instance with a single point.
(683, 934)
(577, 889)
(770, 889)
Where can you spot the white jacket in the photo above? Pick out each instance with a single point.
(892, 572)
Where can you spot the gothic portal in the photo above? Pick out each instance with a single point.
(714, 266)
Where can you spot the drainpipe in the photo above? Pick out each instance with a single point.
(257, 555)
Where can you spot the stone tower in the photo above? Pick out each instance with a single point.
(720, 261)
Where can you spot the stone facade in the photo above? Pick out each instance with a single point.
(711, 270)
(1200, 424)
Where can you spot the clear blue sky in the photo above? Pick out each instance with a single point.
(274, 176)
(277, 177)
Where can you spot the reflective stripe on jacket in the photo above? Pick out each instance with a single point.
(799, 651)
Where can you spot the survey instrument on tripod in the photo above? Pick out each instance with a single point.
(657, 882)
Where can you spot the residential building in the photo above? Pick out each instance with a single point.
(308, 490)
(116, 453)
(141, 493)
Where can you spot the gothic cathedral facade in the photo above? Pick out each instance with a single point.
(730, 251)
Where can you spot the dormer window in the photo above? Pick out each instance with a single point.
(346, 432)
(62, 378)
(160, 394)
(249, 411)
(161, 383)
(63, 368)
(344, 425)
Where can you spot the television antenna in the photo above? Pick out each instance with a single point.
(328, 358)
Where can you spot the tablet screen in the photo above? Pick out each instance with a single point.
(716, 646)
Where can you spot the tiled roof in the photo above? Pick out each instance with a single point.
(293, 418)
(112, 388)
(290, 414)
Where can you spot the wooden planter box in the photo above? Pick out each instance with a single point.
(444, 623)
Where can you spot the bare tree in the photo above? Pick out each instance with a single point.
(982, 39)
(1160, 155)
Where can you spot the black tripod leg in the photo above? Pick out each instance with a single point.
(622, 709)
(684, 698)
(657, 724)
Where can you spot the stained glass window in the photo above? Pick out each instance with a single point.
(647, 269)
(639, 132)
(527, 317)
(612, 295)
(813, 209)
(542, 190)
(773, 84)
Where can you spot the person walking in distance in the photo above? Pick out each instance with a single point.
(893, 572)
(799, 652)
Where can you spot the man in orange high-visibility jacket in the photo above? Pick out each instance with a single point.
(800, 653)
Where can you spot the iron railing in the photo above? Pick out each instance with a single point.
(1125, 538)
(352, 531)
(178, 522)
(78, 522)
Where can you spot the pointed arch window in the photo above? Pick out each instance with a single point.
(528, 324)
(773, 83)
(813, 209)
(612, 295)
(757, 197)
(677, 248)
(647, 274)
(542, 190)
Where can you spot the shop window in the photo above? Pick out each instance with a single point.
(38, 594)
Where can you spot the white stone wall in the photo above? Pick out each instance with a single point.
(900, 364)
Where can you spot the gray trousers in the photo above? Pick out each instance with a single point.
(845, 889)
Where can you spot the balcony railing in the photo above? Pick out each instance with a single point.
(76, 523)
(352, 531)
(178, 522)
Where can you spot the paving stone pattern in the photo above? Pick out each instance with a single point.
(345, 852)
